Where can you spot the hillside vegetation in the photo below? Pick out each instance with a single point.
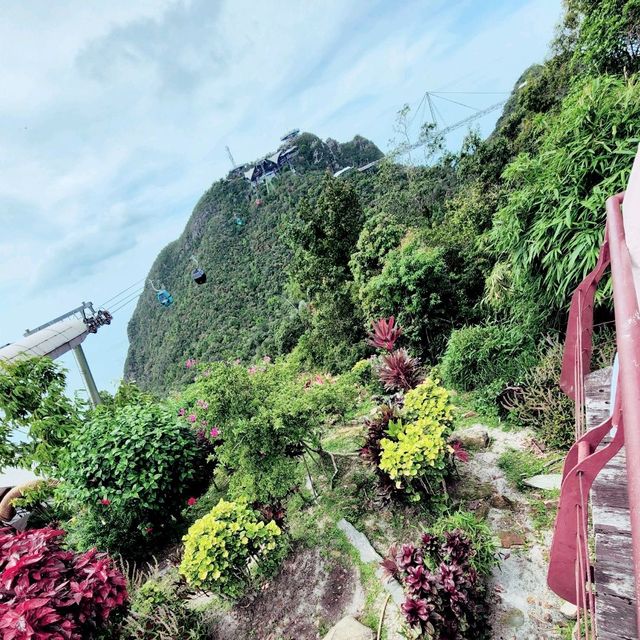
(344, 371)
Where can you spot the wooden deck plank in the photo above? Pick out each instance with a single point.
(615, 609)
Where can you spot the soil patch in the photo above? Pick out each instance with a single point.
(309, 595)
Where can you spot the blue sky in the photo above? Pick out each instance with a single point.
(114, 118)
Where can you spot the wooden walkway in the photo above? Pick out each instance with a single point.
(615, 605)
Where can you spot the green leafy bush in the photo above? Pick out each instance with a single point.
(414, 455)
(415, 287)
(477, 356)
(129, 470)
(265, 417)
(33, 403)
(552, 223)
(223, 550)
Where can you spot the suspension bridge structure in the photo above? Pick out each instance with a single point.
(595, 554)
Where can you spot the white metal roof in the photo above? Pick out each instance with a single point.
(52, 341)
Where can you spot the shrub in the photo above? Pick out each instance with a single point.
(414, 455)
(398, 371)
(47, 592)
(275, 415)
(384, 334)
(477, 356)
(538, 402)
(222, 550)
(131, 469)
(33, 403)
(415, 286)
(446, 598)
(158, 612)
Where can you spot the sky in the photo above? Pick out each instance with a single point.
(114, 119)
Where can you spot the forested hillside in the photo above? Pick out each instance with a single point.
(492, 237)
(240, 241)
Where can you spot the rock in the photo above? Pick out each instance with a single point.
(479, 507)
(510, 539)
(349, 629)
(569, 611)
(499, 501)
(360, 542)
(546, 481)
(199, 602)
(513, 618)
(476, 437)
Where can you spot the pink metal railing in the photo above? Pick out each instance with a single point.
(570, 572)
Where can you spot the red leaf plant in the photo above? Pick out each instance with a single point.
(48, 593)
(445, 596)
(458, 451)
(385, 333)
(399, 371)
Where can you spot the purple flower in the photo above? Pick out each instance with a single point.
(192, 417)
(190, 363)
(203, 404)
(417, 579)
(215, 432)
(182, 411)
(416, 611)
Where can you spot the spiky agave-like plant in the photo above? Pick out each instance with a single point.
(399, 371)
(385, 333)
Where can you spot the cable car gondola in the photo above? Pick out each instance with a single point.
(198, 275)
(162, 296)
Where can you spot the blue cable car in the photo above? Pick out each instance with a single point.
(162, 295)
(164, 298)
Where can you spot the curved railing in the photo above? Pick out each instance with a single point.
(570, 566)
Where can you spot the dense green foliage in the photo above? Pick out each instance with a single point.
(36, 417)
(223, 548)
(243, 310)
(478, 355)
(128, 471)
(265, 417)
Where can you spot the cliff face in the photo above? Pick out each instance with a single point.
(241, 311)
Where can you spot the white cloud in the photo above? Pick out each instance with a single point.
(114, 116)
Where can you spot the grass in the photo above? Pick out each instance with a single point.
(543, 516)
(520, 465)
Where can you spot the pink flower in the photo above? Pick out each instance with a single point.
(252, 369)
(266, 359)
(105, 501)
(191, 501)
(237, 361)
(149, 530)
(203, 404)
(182, 411)
(215, 432)
(190, 363)
(192, 417)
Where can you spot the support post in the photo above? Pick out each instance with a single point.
(89, 382)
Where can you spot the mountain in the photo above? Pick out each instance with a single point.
(239, 239)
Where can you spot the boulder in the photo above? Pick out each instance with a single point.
(546, 481)
(569, 611)
(349, 629)
(476, 437)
